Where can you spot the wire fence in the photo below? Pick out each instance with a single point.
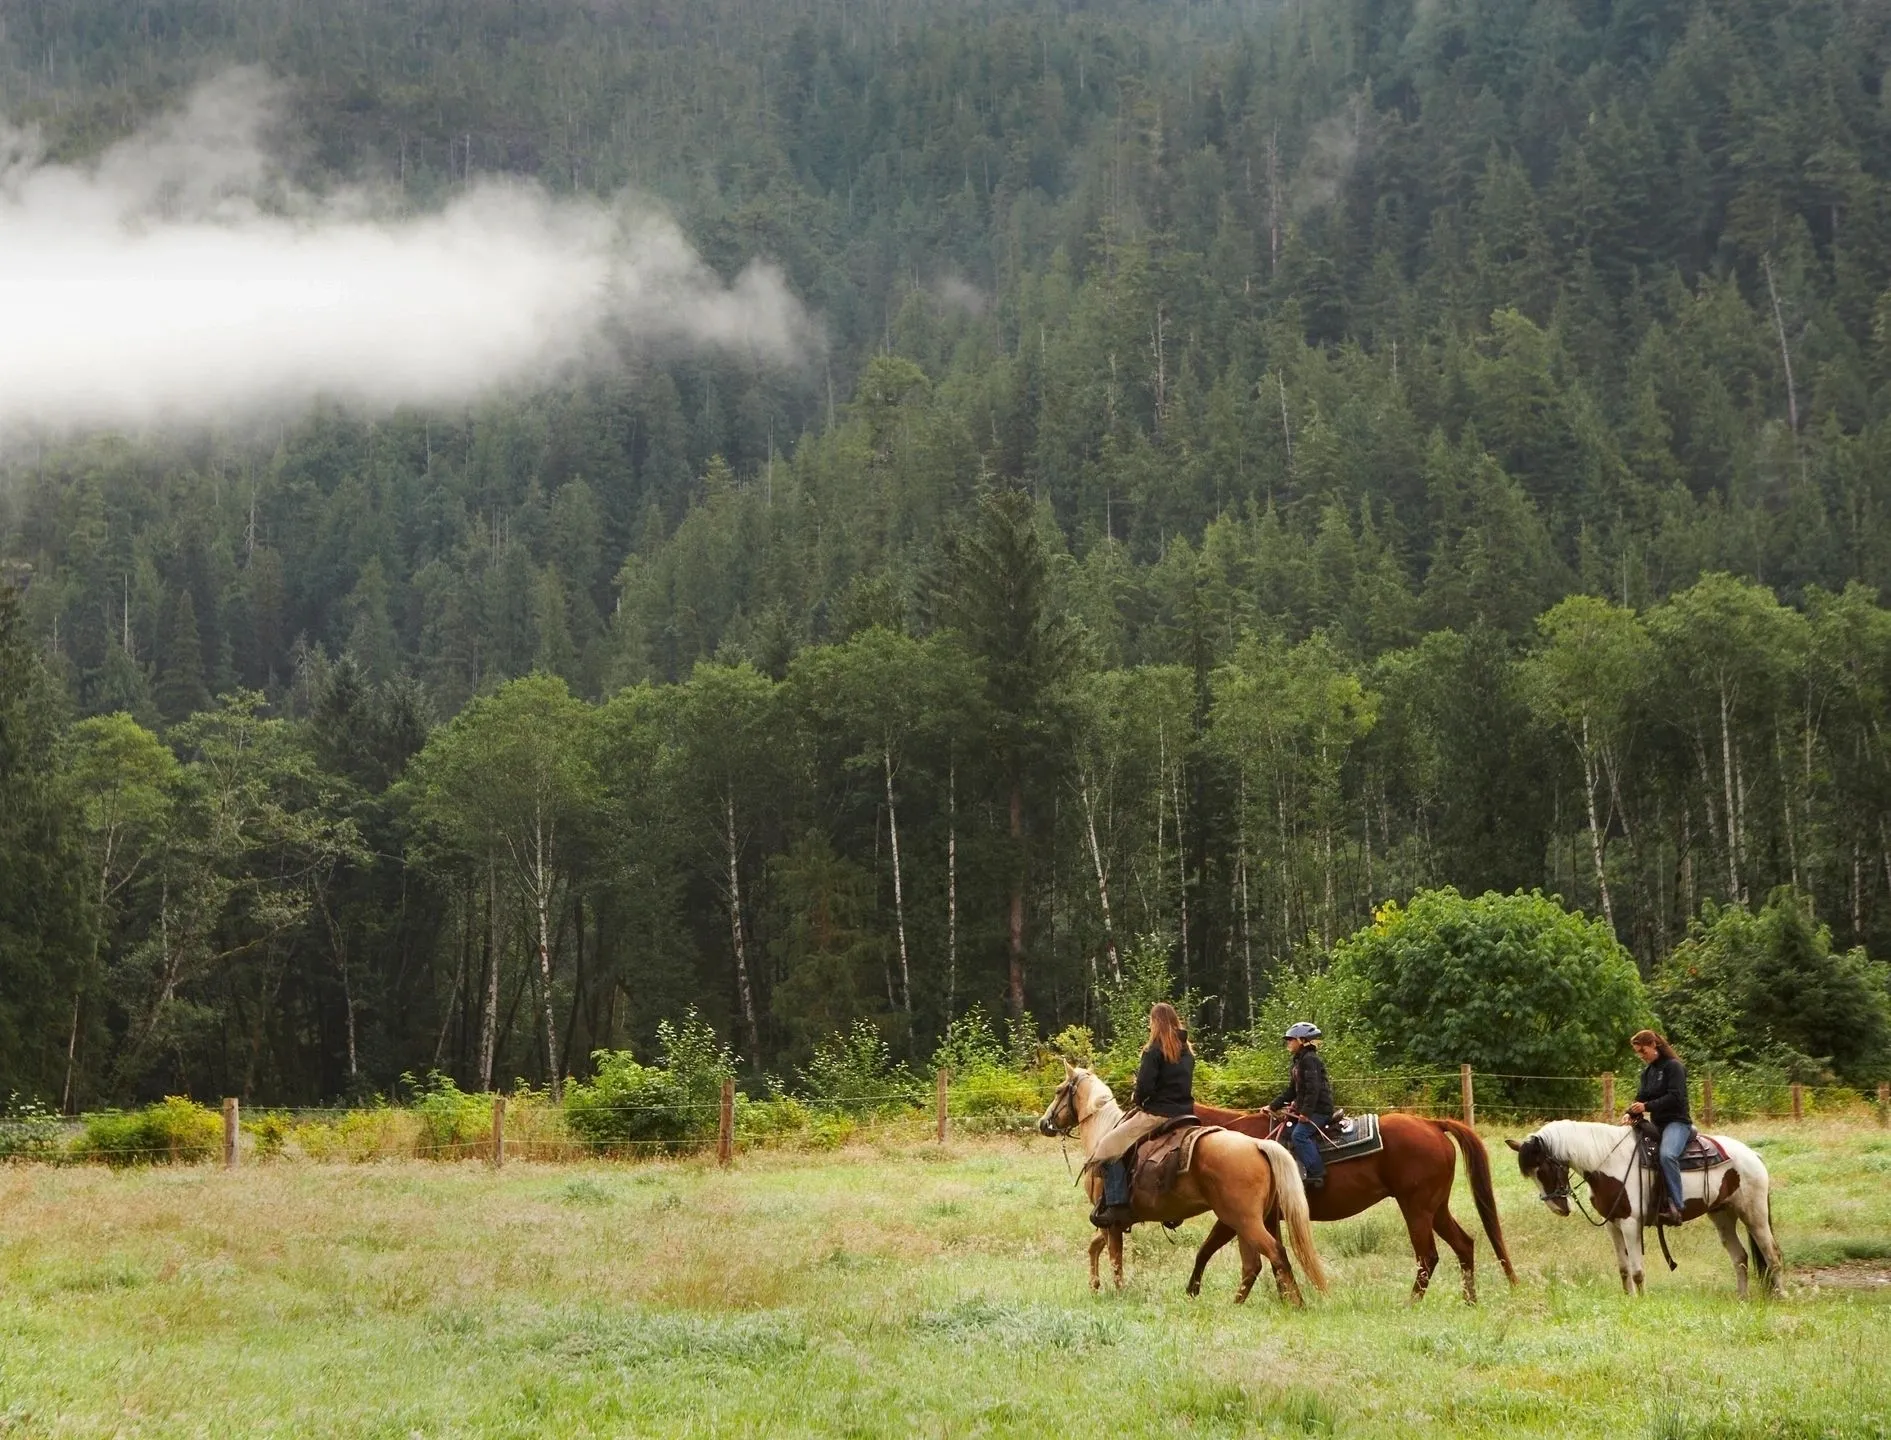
(529, 1125)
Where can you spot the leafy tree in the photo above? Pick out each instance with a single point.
(511, 777)
(1509, 983)
(1769, 988)
(45, 920)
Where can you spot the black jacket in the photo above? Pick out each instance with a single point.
(1164, 1087)
(1310, 1092)
(1664, 1092)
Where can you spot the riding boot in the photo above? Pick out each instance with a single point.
(1113, 1211)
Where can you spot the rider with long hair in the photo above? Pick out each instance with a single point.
(1662, 1098)
(1164, 1089)
(1308, 1098)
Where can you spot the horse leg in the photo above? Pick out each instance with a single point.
(1250, 1268)
(1219, 1236)
(1257, 1243)
(1621, 1255)
(1462, 1245)
(1424, 1246)
(1728, 1227)
(1631, 1240)
(1759, 1217)
(1116, 1256)
(1097, 1242)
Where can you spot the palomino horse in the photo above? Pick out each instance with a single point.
(1250, 1184)
(1415, 1168)
(1609, 1158)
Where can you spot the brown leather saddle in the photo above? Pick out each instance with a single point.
(1159, 1158)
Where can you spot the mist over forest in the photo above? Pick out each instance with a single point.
(521, 520)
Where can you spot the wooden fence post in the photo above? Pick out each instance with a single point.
(725, 1125)
(1608, 1097)
(1884, 1102)
(944, 1080)
(1799, 1101)
(229, 1133)
(1469, 1094)
(1707, 1097)
(498, 1130)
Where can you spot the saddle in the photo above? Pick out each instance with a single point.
(1347, 1137)
(1703, 1151)
(1164, 1154)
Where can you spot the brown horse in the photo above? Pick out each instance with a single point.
(1415, 1168)
(1250, 1182)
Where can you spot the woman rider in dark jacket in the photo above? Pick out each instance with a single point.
(1164, 1089)
(1310, 1094)
(1662, 1097)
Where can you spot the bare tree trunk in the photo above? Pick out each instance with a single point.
(952, 889)
(542, 883)
(743, 990)
(1595, 830)
(899, 900)
(1726, 769)
(489, 1022)
(1015, 986)
(1247, 930)
(459, 979)
(1103, 882)
(1181, 866)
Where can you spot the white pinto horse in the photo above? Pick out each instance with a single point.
(1609, 1158)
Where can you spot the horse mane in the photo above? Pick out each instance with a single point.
(1584, 1144)
(1093, 1094)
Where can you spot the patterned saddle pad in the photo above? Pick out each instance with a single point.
(1703, 1152)
(1351, 1139)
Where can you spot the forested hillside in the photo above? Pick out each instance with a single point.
(1264, 458)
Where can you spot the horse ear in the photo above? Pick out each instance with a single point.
(1512, 1143)
(1070, 1070)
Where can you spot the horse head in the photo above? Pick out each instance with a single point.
(1549, 1170)
(1061, 1115)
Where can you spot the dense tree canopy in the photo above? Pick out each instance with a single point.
(1266, 460)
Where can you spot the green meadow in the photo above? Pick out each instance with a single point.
(893, 1288)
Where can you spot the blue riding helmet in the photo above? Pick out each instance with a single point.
(1302, 1030)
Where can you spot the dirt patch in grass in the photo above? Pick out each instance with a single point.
(1850, 1275)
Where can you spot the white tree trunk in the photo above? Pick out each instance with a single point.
(743, 990)
(899, 899)
(1103, 880)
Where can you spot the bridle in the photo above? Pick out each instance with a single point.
(1570, 1189)
(1066, 1095)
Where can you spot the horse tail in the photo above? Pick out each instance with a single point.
(1477, 1165)
(1291, 1195)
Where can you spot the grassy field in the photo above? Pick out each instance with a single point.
(885, 1289)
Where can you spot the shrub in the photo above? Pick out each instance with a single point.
(28, 1130)
(173, 1131)
(855, 1072)
(672, 1104)
(452, 1122)
(1508, 983)
(269, 1133)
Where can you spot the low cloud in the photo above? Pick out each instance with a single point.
(182, 278)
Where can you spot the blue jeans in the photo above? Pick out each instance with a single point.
(1674, 1137)
(1303, 1140)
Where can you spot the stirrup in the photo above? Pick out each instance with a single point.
(1112, 1217)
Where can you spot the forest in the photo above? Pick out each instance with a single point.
(1264, 460)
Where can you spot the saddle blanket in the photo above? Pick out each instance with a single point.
(1703, 1152)
(1351, 1138)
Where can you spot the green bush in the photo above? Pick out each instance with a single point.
(1768, 991)
(1512, 984)
(452, 1122)
(173, 1131)
(854, 1073)
(28, 1130)
(673, 1104)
